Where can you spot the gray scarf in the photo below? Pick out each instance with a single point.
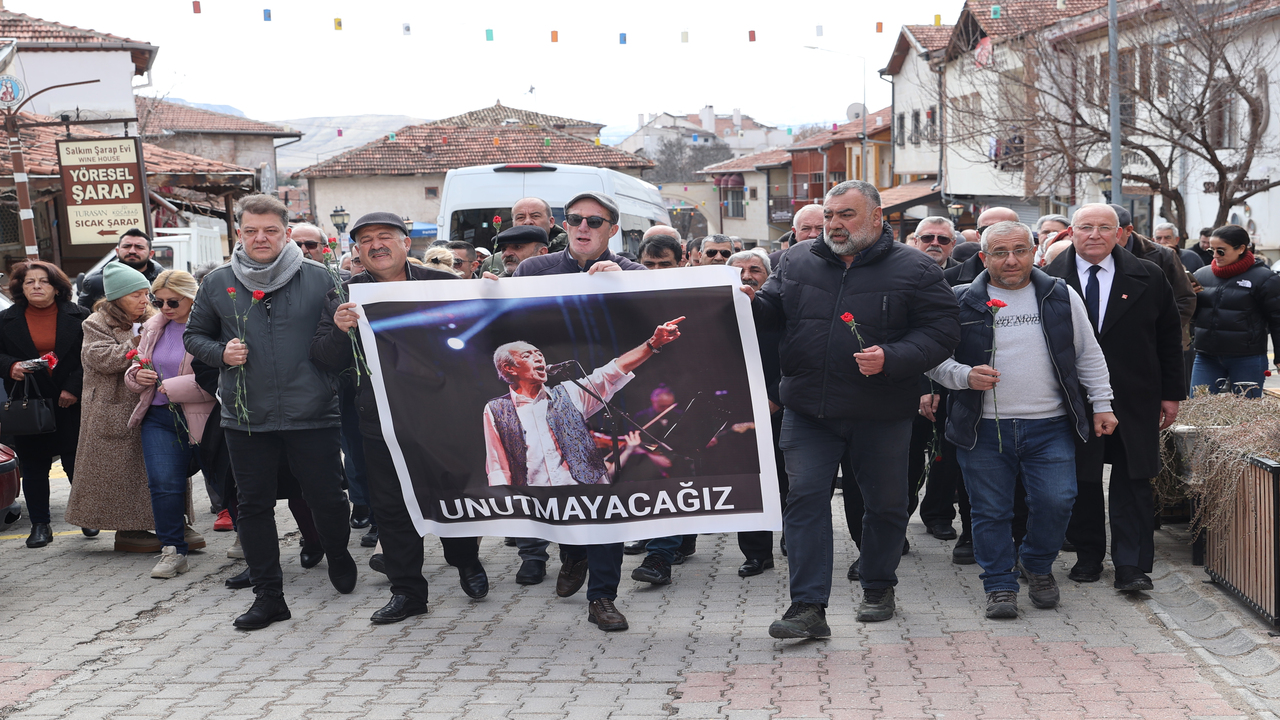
(267, 277)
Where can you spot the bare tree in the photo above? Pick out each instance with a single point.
(677, 161)
(1194, 91)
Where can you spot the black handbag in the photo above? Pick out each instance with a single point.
(29, 414)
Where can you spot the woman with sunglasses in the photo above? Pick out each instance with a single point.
(171, 412)
(1237, 309)
(44, 318)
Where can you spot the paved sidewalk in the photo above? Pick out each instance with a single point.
(85, 633)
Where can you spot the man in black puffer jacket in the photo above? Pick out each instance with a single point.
(862, 317)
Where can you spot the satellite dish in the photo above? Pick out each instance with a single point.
(856, 111)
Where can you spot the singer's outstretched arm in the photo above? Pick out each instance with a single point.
(663, 334)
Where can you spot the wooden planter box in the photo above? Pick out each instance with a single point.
(1244, 555)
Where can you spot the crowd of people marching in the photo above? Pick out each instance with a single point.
(999, 368)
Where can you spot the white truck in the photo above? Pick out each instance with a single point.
(176, 249)
(472, 196)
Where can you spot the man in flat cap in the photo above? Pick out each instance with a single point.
(517, 244)
(591, 219)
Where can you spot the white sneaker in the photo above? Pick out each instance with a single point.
(171, 564)
(235, 552)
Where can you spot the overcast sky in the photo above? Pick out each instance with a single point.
(297, 65)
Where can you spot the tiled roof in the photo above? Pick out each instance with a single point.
(499, 114)
(725, 122)
(158, 115)
(932, 37)
(747, 163)
(847, 131)
(36, 34)
(431, 148)
(40, 153)
(894, 197)
(1021, 16)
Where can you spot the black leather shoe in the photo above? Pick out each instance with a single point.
(962, 553)
(943, 532)
(635, 547)
(474, 580)
(531, 572)
(40, 535)
(267, 608)
(239, 582)
(906, 546)
(370, 539)
(378, 563)
(854, 575)
(360, 516)
(572, 574)
(689, 545)
(1067, 546)
(1130, 579)
(90, 532)
(310, 556)
(511, 542)
(782, 545)
(605, 615)
(342, 571)
(1086, 572)
(754, 566)
(400, 608)
(653, 570)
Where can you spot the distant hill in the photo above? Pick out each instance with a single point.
(225, 109)
(320, 140)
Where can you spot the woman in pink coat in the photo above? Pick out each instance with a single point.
(172, 411)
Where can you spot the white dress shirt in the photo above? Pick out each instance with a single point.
(546, 464)
(1105, 276)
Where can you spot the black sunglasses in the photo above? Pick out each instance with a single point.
(173, 304)
(722, 253)
(310, 244)
(940, 239)
(593, 222)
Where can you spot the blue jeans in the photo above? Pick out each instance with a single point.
(1043, 451)
(168, 456)
(813, 449)
(1209, 369)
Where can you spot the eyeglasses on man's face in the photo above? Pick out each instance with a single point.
(309, 244)
(715, 251)
(593, 222)
(939, 239)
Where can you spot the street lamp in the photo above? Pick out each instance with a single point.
(407, 223)
(955, 210)
(1104, 184)
(340, 218)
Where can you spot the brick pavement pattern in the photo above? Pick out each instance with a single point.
(86, 633)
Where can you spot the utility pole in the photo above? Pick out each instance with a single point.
(26, 214)
(1113, 56)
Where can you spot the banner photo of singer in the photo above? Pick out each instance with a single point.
(538, 407)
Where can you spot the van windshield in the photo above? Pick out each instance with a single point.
(476, 226)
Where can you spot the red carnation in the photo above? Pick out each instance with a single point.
(997, 303)
(497, 220)
(232, 292)
(847, 317)
(327, 251)
(131, 355)
(144, 361)
(258, 295)
(51, 359)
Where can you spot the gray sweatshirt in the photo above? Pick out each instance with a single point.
(1028, 385)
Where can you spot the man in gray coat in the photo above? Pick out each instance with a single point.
(253, 320)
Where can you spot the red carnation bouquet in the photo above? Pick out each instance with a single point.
(145, 363)
(239, 403)
(330, 257)
(994, 306)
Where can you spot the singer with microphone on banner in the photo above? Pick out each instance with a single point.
(537, 434)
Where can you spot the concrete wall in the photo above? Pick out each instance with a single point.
(111, 96)
(402, 195)
(915, 88)
(244, 150)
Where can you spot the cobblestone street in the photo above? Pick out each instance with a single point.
(87, 634)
